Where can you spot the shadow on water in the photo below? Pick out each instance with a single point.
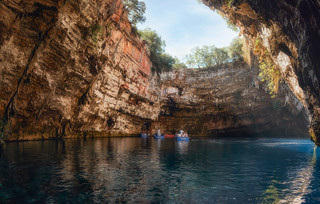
(147, 170)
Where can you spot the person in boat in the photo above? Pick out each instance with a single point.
(186, 134)
(180, 133)
(183, 134)
(159, 133)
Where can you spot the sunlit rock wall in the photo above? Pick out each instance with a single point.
(70, 67)
(75, 68)
(227, 99)
(289, 29)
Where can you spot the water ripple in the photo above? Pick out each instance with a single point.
(145, 171)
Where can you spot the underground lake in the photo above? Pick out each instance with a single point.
(137, 170)
(88, 87)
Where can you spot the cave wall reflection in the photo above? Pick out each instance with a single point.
(145, 170)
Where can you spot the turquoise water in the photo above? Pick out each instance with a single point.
(146, 170)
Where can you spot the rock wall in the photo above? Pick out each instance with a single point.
(76, 68)
(72, 67)
(289, 30)
(227, 100)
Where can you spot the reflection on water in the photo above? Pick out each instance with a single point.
(182, 147)
(148, 170)
(300, 180)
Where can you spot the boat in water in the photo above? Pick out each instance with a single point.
(182, 136)
(158, 135)
(168, 136)
(143, 135)
(183, 139)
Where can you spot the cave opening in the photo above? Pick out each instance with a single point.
(203, 81)
(82, 83)
(245, 99)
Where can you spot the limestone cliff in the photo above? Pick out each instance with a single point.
(70, 67)
(289, 30)
(227, 100)
(76, 68)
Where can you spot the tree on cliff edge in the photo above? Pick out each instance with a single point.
(235, 51)
(209, 56)
(136, 10)
(161, 61)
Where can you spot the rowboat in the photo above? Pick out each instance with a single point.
(181, 136)
(143, 135)
(168, 136)
(183, 139)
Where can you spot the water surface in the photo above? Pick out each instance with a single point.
(147, 170)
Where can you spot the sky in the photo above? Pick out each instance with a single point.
(185, 24)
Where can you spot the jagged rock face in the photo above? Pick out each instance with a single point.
(227, 99)
(290, 30)
(72, 66)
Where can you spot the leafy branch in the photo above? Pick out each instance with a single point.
(136, 10)
(268, 71)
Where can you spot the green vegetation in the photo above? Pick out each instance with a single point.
(161, 61)
(230, 2)
(235, 50)
(96, 31)
(166, 63)
(231, 18)
(206, 56)
(201, 57)
(209, 56)
(136, 10)
(230, 22)
(231, 25)
(271, 194)
(178, 64)
(268, 72)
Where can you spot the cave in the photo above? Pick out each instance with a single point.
(287, 29)
(77, 91)
(48, 65)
